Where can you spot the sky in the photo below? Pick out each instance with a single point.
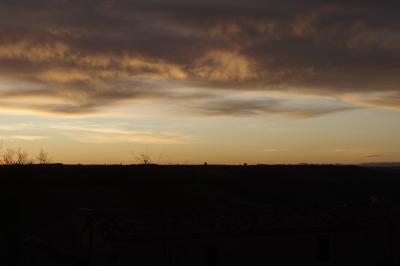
(190, 81)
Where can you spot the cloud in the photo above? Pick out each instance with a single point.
(23, 137)
(274, 150)
(374, 155)
(117, 134)
(224, 66)
(77, 57)
(258, 107)
(387, 99)
(360, 152)
(245, 104)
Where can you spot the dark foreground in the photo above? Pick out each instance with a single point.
(199, 215)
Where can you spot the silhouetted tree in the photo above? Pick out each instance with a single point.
(8, 157)
(143, 158)
(43, 157)
(1, 152)
(11, 156)
(21, 157)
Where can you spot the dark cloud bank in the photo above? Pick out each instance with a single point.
(91, 54)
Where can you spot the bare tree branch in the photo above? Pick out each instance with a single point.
(43, 157)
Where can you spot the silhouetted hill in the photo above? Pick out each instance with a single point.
(386, 165)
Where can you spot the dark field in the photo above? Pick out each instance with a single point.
(200, 215)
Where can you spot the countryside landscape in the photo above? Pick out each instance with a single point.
(199, 133)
